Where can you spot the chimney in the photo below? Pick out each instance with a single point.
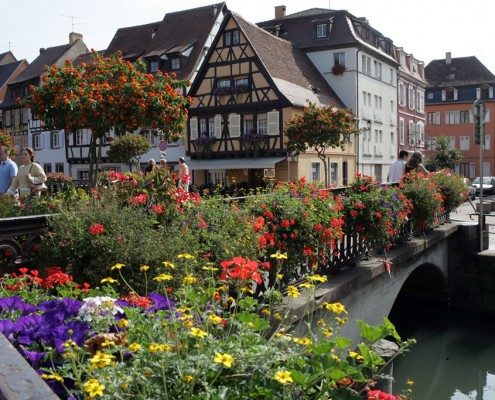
(448, 58)
(279, 12)
(42, 50)
(73, 36)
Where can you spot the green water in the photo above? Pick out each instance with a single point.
(454, 358)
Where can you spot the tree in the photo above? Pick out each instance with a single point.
(320, 128)
(109, 93)
(128, 149)
(445, 157)
(6, 139)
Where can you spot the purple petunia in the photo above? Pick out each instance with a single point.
(160, 302)
(17, 304)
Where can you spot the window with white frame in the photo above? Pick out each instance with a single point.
(392, 75)
(451, 142)
(215, 177)
(152, 138)
(247, 124)
(339, 58)
(223, 83)
(363, 63)
(401, 131)
(430, 95)
(378, 70)
(47, 167)
(431, 143)
(37, 141)
(55, 140)
(486, 146)
(176, 63)
(236, 37)
(411, 132)
(333, 172)
(321, 31)
(59, 167)
(464, 143)
(368, 65)
(315, 171)
(420, 101)
(402, 94)
(411, 97)
(464, 116)
(262, 123)
(227, 38)
(154, 66)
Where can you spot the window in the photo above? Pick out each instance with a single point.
(486, 146)
(364, 99)
(215, 177)
(321, 31)
(378, 69)
(223, 83)
(464, 143)
(368, 65)
(247, 124)
(241, 82)
(464, 117)
(430, 96)
(363, 64)
(83, 175)
(420, 101)
(449, 94)
(262, 123)
(339, 58)
(7, 118)
(211, 126)
(37, 141)
(47, 168)
(236, 37)
(411, 97)
(315, 171)
(432, 143)
(55, 140)
(391, 76)
(485, 93)
(203, 127)
(153, 66)
(79, 138)
(59, 167)
(227, 38)
(333, 169)
(402, 94)
(175, 63)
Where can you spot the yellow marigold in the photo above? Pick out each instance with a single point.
(160, 347)
(107, 343)
(280, 276)
(134, 347)
(327, 332)
(108, 280)
(144, 268)
(188, 378)
(266, 311)
(303, 341)
(168, 264)
(336, 308)
(123, 323)
(225, 359)
(186, 256)
(118, 266)
(210, 268)
(277, 316)
(188, 324)
(317, 278)
(283, 377)
(214, 319)
(101, 360)
(185, 317)
(279, 256)
(93, 388)
(292, 291)
(199, 333)
(163, 278)
(306, 285)
(189, 279)
(55, 377)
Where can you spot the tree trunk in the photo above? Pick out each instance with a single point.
(322, 157)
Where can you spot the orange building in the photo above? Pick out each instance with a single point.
(454, 84)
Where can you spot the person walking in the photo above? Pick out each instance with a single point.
(151, 166)
(8, 169)
(398, 167)
(414, 163)
(184, 178)
(30, 178)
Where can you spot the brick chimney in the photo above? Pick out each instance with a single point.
(73, 36)
(448, 58)
(279, 12)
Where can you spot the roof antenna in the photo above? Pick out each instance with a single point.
(329, 4)
(72, 20)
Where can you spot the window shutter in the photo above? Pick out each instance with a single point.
(193, 125)
(446, 117)
(490, 92)
(42, 140)
(273, 125)
(218, 126)
(437, 118)
(487, 142)
(234, 125)
(471, 116)
(478, 93)
(487, 115)
(455, 94)
(444, 95)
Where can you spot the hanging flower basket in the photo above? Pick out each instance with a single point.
(338, 69)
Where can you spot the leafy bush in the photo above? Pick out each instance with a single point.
(452, 189)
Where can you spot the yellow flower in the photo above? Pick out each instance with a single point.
(144, 268)
(292, 291)
(321, 322)
(209, 268)
(199, 333)
(279, 256)
(188, 378)
(134, 347)
(214, 319)
(186, 256)
(101, 360)
(55, 377)
(265, 311)
(117, 266)
(223, 288)
(277, 316)
(156, 347)
(336, 308)
(247, 290)
(226, 359)
(188, 324)
(306, 285)
(280, 276)
(108, 280)
(317, 278)
(341, 321)
(185, 317)
(123, 323)
(163, 278)
(303, 341)
(70, 343)
(283, 377)
(168, 264)
(93, 388)
(409, 383)
(327, 332)
(189, 279)
(107, 343)
(355, 356)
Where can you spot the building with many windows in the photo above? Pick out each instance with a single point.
(359, 63)
(453, 86)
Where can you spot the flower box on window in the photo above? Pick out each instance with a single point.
(338, 69)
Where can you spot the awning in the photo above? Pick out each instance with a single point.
(235, 163)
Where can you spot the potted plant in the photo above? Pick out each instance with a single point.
(338, 69)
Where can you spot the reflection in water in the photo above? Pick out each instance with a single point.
(454, 358)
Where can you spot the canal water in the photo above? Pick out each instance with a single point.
(454, 358)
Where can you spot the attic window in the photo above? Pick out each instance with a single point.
(175, 63)
(236, 37)
(451, 76)
(153, 66)
(321, 31)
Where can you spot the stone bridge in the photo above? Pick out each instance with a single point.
(443, 266)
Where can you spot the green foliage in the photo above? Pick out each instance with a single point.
(6, 139)
(445, 157)
(128, 149)
(452, 189)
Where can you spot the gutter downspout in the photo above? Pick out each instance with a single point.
(358, 140)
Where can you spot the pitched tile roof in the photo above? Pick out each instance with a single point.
(179, 30)
(132, 41)
(461, 71)
(7, 70)
(292, 71)
(86, 58)
(4, 57)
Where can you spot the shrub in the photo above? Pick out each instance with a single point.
(452, 189)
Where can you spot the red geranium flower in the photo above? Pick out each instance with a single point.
(240, 268)
(96, 229)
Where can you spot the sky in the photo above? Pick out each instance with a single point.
(425, 28)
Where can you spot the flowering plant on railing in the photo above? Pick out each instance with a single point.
(451, 187)
(376, 213)
(206, 339)
(204, 140)
(253, 137)
(425, 198)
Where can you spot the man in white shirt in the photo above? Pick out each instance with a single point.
(397, 168)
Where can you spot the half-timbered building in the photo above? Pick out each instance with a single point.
(250, 84)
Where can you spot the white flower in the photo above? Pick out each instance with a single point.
(101, 306)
